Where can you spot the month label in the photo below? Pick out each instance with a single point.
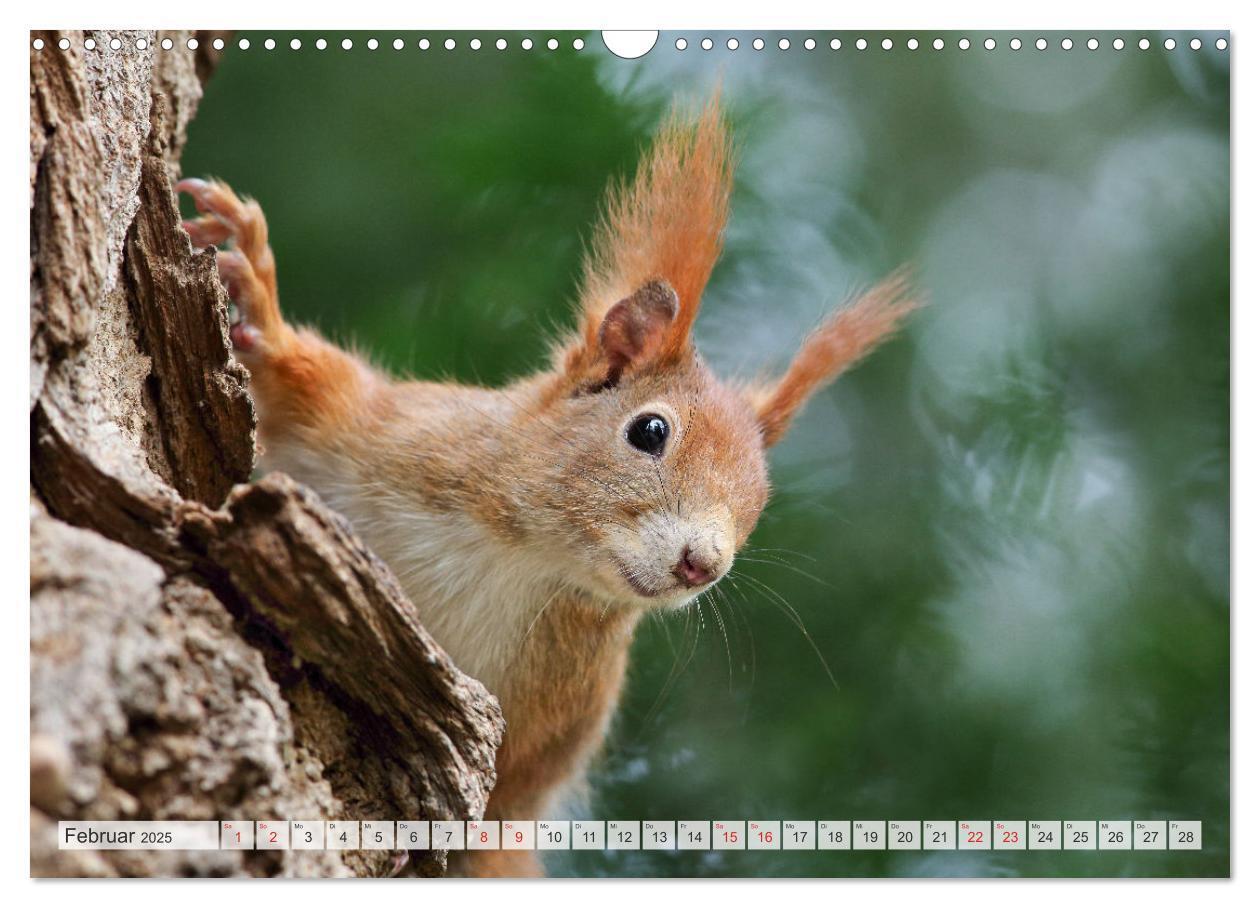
(518, 835)
(1010, 835)
(869, 835)
(835, 835)
(413, 835)
(146, 835)
(940, 835)
(588, 835)
(975, 834)
(729, 835)
(1045, 835)
(799, 835)
(623, 835)
(904, 835)
(693, 835)
(1080, 835)
(482, 835)
(271, 835)
(658, 835)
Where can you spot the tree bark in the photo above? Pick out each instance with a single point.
(202, 647)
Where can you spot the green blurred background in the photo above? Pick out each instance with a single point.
(1006, 535)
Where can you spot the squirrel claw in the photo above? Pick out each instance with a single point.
(207, 231)
(246, 266)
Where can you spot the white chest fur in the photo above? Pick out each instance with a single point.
(477, 596)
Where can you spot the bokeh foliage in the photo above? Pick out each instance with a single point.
(1006, 536)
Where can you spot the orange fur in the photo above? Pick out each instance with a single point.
(530, 533)
(667, 224)
(844, 338)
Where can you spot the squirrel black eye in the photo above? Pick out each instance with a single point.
(648, 433)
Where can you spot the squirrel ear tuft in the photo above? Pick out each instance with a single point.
(842, 340)
(635, 329)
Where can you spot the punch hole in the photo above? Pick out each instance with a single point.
(373, 44)
(142, 44)
(397, 44)
(501, 44)
(758, 43)
(475, 44)
(1118, 44)
(732, 44)
(1195, 44)
(989, 44)
(1066, 44)
(192, 44)
(295, 44)
(706, 44)
(784, 44)
(886, 44)
(860, 44)
(629, 45)
(835, 44)
(1016, 44)
(963, 44)
(552, 44)
(527, 43)
(243, 44)
(578, 44)
(115, 44)
(217, 44)
(1144, 44)
(64, 44)
(38, 44)
(1221, 44)
(423, 44)
(913, 44)
(681, 44)
(270, 44)
(346, 44)
(90, 44)
(167, 44)
(810, 43)
(1042, 44)
(321, 44)
(449, 43)
(1092, 44)
(1170, 44)
(938, 44)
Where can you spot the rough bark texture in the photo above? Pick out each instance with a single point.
(201, 647)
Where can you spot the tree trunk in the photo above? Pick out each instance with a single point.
(202, 647)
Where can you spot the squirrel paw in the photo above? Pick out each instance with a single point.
(247, 267)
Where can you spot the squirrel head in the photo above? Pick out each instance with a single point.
(658, 474)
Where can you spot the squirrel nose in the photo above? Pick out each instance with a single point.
(693, 570)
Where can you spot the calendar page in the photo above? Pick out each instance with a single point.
(576, 453)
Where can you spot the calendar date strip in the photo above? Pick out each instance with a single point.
(634, 835)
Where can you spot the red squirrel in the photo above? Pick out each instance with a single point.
(534, 525)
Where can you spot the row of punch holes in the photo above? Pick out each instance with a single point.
(680, 44)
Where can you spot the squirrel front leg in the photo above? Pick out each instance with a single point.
(301, 383)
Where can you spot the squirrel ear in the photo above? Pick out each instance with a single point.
(837, 344)
(634, 330)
